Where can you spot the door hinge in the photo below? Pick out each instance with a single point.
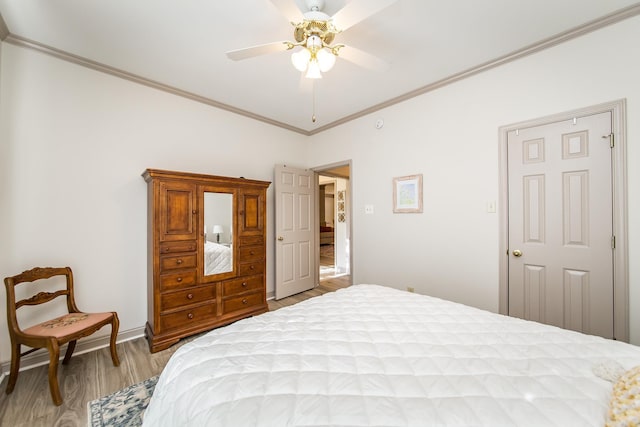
(613, 242)
(611, 137)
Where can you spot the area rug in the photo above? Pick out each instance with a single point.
(124, 408)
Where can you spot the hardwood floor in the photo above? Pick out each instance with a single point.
(92, 375)
(328, 285)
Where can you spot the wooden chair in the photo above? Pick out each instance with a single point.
(52, 334)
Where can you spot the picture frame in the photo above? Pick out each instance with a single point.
(407, 194)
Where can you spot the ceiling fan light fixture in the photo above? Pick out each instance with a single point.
(313, 72)
(301, 59)
(326, 60)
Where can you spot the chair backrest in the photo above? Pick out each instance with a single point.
(33, 275)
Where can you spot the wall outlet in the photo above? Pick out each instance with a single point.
(410, 289)
(368, 209)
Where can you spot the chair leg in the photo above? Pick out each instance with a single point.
(70, 348)
(15, 367)
(115, 325)
(54, 355)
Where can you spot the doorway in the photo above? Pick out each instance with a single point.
(327, 208)
(334, 224)
(563, 237)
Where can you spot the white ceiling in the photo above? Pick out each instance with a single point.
(180, 45)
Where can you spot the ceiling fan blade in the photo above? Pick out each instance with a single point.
(363, 59)
(289, 9)
(263, 49)
(358, 10)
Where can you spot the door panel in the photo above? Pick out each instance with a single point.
(534, 288)
(560, 219)
(576, 300)
(252, 206)
(295, 207)
(177, 210)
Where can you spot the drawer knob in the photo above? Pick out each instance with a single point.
(179, 279)
(166, 249)
(244, 284)
(189, 296)
(190, 315)
(244, 301)
(251, 253)
(253, 267)
(179, 261)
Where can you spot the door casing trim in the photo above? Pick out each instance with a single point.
(619, 170)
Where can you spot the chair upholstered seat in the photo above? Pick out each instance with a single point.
(69, 324)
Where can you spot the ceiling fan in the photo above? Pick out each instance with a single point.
(315, 32)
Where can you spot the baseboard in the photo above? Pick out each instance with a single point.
(271, 295)
(41, 357)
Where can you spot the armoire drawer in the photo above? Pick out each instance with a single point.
(251, 253)
(169, 301)
(245, 284)
(242, 302)
(185, 318)
(168, 263)
(251, 268)
(177, 247)
(177, 280)
(250, 240)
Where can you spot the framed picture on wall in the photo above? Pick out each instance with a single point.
(341, 208)
(407, 194)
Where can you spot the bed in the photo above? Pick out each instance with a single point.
(370, 355)
(217, 258)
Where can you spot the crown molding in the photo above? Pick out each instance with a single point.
(610, 19)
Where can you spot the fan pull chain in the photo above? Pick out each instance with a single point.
(313, 102)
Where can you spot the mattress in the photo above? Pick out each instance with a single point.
(370, 355)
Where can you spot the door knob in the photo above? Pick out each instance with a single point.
(517, 253)
(280, 238)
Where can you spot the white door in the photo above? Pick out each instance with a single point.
(561, 224)
(295, 237)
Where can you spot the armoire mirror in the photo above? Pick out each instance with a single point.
(218, 233)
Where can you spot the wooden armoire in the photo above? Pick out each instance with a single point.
(206, 253)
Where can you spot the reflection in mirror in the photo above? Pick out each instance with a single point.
(218, 236)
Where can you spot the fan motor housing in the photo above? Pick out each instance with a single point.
(322, 29)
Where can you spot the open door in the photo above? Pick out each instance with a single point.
(295, 237)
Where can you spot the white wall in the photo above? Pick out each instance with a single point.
(451, 136)
(73, 145)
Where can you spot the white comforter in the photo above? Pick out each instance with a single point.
(217, 258)
(374, 356)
